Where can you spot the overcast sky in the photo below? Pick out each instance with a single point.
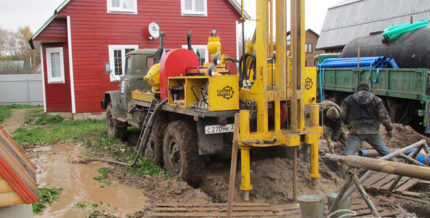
(18, 13)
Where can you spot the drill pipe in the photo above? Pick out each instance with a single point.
(391, 167)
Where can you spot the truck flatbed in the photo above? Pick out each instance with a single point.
(187, 111)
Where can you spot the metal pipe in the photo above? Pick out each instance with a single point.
(383, 166)
(293, 38)
(411, 160)
(281, 44)
(243, 28)
(366, 175)
(295, 173)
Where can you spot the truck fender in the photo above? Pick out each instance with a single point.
(112, 97)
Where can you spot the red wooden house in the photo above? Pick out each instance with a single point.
(84, 34)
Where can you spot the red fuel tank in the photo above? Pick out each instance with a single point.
(174, 63)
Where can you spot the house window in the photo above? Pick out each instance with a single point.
(122, 6)
(194, 7)
(55, 65)
(117, 54)
(201, 52)
(308, 48)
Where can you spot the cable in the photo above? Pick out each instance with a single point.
(347, 212)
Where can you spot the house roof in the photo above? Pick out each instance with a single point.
(351, 19)
(234, 3)
(308, 30)
(17, 170)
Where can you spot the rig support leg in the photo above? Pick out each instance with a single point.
(245, 172)
(314, 174)
(295, 148)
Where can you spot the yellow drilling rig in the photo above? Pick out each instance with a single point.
(195, 104)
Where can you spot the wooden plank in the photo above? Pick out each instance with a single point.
(212, 204)
(384, 181)
(387, 186)
(233, 165)
(366, 212)
(411, 183)
(411, 194)
(190, 214)
(211, 209)
(424, 182)
(10, 198)
(373, 179)
(390, 213)
(4, 186)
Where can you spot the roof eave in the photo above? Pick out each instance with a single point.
(238, 8)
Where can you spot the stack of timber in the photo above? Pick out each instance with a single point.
(17, 174)
(382, 182)
(250, 210)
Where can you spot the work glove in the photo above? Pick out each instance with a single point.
(390, 134)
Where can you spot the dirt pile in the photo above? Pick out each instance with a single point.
(403, 136)
(272, 181)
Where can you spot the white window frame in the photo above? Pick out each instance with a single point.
(121, 10)
(112, 48)
(193, 12)
(61, 78)
(195, 47)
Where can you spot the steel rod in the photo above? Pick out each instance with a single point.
(295, 174)
(411, 160)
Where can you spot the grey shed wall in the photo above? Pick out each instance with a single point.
(21, 89)
(356, 18)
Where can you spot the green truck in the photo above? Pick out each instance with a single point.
(405, 92)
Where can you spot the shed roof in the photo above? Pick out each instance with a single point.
(356, 18)
(17, 170)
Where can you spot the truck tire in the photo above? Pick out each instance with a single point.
(154, 150)
(114, 127)
(180, 152)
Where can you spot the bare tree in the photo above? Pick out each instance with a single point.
(14, 46)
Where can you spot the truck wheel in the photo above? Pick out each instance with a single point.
(180, 152)
(154, 150)
(114, 127)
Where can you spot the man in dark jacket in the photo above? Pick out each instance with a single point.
(364, 112)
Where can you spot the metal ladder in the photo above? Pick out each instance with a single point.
(146, 128)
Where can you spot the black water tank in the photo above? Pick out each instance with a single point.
(410, 50)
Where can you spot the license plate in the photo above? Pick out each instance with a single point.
(215, 129)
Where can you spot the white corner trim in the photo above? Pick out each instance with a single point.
(43, 79)
(72, 80)
(237, 40)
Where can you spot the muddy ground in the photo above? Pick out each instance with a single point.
(65, 165)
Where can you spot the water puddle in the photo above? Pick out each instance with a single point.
(55, 169)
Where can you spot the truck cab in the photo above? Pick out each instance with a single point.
(138, 62)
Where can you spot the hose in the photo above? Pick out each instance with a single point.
(140, 146)
(243, 68)
(347, 212)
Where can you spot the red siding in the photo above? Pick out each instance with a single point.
(56, 31)
(58, 95)
(93, 30)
